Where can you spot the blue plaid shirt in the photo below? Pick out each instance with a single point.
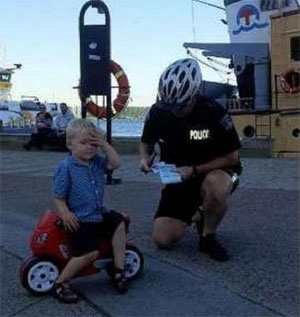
(82, 186)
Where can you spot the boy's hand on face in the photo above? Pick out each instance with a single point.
(70, 221)
(96, 138)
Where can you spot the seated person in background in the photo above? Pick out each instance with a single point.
(43, 127)
(62, 120)
(60, 124)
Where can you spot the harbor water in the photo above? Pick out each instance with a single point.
(123, 127)
(120, 127)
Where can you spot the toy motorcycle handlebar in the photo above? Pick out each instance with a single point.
(59, 223)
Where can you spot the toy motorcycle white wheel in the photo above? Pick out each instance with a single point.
(134, 262)
(38, 275)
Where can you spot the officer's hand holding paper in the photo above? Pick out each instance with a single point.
(167, 173)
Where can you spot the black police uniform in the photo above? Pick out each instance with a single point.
(205, 134)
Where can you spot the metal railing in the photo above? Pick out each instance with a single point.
(21, 123)
(240, 104)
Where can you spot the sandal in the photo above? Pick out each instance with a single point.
(64, 293)
(119, 281)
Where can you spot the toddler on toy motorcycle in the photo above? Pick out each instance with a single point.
(78, 190)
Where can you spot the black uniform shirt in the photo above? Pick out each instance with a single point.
(205, 134)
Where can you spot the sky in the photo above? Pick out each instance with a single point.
(146, 36)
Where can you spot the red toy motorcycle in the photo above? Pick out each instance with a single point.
(51, 251)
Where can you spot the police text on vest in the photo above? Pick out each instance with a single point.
(199, 134)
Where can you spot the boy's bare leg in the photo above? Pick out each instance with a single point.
(75, 265)
(119, 245)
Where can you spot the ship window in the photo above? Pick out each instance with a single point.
(295, 48)
(5, 77)
(4, 107)
(28, 105)
(270, 5)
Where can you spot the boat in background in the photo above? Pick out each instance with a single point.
(264, 53)
(23, 112)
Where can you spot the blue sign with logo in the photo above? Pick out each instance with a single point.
(248, 18)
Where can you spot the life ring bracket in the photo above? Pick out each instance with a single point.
(122, 99)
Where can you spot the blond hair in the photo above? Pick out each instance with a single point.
(83, 125)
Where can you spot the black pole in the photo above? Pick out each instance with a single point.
(94, 54)
(83, 109)
(108, 117)
(109, 178)
(95, 60)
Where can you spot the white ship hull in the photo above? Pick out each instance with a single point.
(22, 112)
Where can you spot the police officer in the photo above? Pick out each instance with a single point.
(198, 136)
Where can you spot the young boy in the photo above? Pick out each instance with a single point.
(78, 190)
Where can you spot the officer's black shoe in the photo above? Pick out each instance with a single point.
(210, 245)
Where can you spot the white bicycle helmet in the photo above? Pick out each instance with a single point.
(180, 82)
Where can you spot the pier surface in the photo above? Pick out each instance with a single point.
(261, 232)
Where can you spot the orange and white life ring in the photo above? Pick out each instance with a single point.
(122, 97)
(287, 81)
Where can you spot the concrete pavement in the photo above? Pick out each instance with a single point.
(261, 231)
